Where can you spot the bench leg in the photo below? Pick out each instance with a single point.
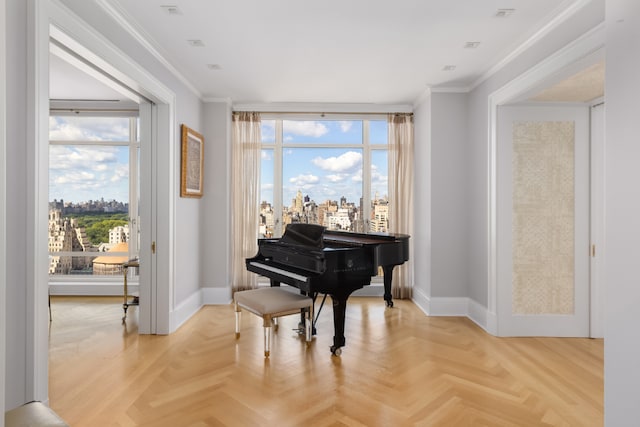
(267, 321)
(238, 319)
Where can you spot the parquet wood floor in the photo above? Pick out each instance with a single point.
(399, 368)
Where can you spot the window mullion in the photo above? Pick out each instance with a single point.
(133, 188)
(366, 176)
(277, 179)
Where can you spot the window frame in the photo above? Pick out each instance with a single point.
(278, 145)
(133, 143)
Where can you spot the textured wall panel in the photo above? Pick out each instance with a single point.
(543, 217)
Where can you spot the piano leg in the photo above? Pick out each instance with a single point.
(339, 312)
(388, 276)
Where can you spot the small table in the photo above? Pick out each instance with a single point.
(134, 298)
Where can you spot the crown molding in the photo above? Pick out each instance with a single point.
(122, 18)
(282, 107)
(227, 101)
(451, 89)
(422, 98)
(553, 23)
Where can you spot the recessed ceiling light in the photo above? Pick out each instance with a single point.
(448, 68)
(171, 9)
(471, 45)
(195, 43)
(504, 13)
(214, 66)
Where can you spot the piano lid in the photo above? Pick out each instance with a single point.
(304, 235)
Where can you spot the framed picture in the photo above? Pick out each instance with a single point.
(192, 163)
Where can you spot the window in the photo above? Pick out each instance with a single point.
(93, 200)
(327, 172)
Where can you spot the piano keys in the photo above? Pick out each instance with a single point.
(336, 263)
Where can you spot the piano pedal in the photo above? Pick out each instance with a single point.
(301, 330)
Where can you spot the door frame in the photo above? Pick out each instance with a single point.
(3, 198)
(585, 50)
(576, 324)
(597, 133)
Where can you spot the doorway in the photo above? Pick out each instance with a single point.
(585, 53)
(95, 139)
(156, 106)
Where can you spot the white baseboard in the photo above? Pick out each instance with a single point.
(90, 289)
(216, 296)
(185, 310)
(465, 307)
(203, 296)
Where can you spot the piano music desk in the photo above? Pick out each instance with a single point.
(271, 303)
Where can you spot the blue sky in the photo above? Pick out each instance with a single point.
(324, 173)
(79, 173)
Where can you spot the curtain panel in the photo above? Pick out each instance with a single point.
(245, 195)
(400, 133)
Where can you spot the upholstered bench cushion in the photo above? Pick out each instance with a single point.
(271, 300)
(34, 414)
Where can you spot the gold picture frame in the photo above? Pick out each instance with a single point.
(191, 172)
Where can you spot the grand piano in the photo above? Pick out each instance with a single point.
(320, 261)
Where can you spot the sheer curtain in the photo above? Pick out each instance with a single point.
(401, 194)
(245, 195)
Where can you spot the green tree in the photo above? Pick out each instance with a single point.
(98, 232)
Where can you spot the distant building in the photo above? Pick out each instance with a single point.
(338, 220)
(119, 234)
(380, 220)
(66, 236)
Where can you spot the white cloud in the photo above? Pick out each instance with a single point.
(268, 130)
(343, 163)
(377, 177)
(338, 177)
(80, 173)
(120, 173)
(88, 128)
(79, 177)
(81, 157)
(304, 181)
(345, 126)
(304, 128)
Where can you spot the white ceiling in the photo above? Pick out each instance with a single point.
(334, 51)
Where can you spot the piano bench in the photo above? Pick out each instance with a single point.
(271, 303)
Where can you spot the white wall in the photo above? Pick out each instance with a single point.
(422, 204)
(622, 214)
(214, 247)
(449, 195)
